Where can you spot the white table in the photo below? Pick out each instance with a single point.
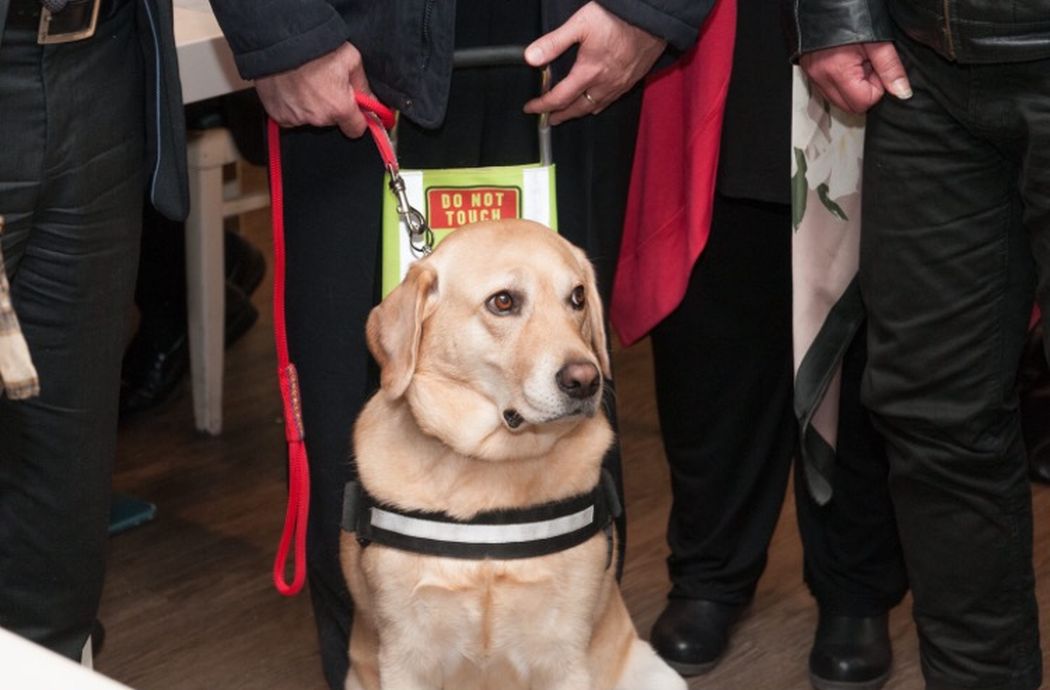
(207, 70)
(27, 666)
(205, 61)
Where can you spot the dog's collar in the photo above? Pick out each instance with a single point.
(499, 534)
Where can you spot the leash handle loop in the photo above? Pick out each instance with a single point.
(293, 535)
(298, 508)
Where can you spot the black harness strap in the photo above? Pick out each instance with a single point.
(499, 534)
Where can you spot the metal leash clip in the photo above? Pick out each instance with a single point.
(420, 236)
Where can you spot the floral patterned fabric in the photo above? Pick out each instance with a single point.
(827, 150)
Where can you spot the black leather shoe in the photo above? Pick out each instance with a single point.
(158, 357)
(153, 366)
(851, 653)
(692, 634)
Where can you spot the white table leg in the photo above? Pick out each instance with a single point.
(206, 276)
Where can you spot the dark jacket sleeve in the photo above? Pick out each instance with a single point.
(164, 114)
(817, 24)
(271, 36)
(677, 21)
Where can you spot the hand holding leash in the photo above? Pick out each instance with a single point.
(321, 92)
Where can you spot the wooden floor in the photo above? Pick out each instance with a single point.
(189, 603)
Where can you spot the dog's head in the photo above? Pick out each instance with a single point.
(496, 340)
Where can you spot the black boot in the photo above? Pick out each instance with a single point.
(691, 635)
(851, 653)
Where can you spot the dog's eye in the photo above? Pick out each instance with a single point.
(502, 303)
(578, 298)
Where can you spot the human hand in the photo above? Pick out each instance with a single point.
(613, 55)
(319, 92)
(854, 77)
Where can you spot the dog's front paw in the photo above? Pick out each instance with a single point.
(647, 671)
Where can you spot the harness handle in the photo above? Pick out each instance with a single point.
(510, 56)
(489, 56)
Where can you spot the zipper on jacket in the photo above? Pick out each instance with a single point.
(428, 9)
(948, 29)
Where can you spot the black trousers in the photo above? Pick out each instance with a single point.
(333, 192)
(71, 188)
(956, 237)
(723, 364)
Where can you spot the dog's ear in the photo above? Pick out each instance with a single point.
(595, 326)
(395, 327)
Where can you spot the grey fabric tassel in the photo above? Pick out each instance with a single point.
(55, 6)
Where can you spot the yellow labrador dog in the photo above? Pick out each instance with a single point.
(492, 353)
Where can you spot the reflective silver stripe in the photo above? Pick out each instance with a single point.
(480, 534)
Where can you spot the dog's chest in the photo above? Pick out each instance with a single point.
(453, 613)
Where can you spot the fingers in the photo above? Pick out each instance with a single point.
(566, 101)
(613, 55)
(858, 96)
(319, 93)
(580, 107)
(549, 46)
(589, 73)
(566, 92)
(572, 97)
(816, 69)
(844, 76)
(352, 123)
(887, 65)
(350, 119)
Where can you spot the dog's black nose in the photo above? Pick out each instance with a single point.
(578, 380)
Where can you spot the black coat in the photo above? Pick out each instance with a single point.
(968, 31)
(406, 44)
(168, 189)
(756, 129)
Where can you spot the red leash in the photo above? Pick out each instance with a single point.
(380, 118)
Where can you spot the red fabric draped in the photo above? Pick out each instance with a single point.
(673, 179)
